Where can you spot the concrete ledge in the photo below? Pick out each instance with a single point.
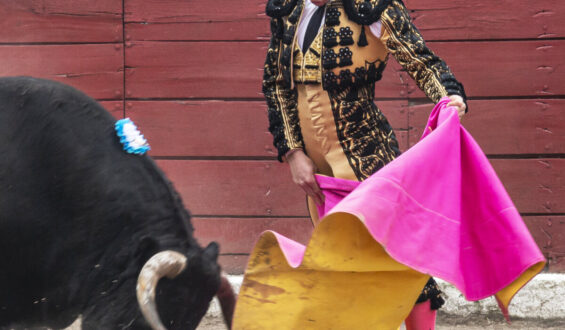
(542, 299)
(214, 310)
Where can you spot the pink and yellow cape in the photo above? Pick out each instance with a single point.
(437, 210)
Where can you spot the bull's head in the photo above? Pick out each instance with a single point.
(183, 270)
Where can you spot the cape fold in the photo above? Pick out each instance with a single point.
(439, 209)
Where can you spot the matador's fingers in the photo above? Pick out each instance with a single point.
(310, 187)
(460, 107)
(318, 192)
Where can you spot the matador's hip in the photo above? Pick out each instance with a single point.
(345, 139)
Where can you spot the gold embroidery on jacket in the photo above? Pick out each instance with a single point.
(307, 67)
(281, 101)
(407, 45)
(348, 73)
(288, 108)
(364, 133)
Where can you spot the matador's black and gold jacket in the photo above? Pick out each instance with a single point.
(347, 62)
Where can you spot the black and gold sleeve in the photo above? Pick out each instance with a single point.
(281, 99)
(406, 44)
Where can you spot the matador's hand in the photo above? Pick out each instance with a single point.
(303, 169)
(457, 101)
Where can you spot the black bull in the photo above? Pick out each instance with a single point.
(80, 218)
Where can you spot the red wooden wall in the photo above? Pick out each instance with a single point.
(188, 72)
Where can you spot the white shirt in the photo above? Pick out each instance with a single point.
(308, 11)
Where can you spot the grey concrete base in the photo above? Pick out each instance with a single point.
(541, 299)
(214, 310)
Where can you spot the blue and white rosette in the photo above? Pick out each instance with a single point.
(132, 140)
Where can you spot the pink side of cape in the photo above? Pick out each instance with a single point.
(440, 209)
(292, 250)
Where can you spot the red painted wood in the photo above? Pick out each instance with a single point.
(233, 70)
(186, 70)
(507, 126)
(402, 137)
(223, 188)
(396, 113)
(239, 235)
(513, 68)
(264, 188)
(196, 20)
(166, 11)
(549, 233)
(535, 185)
(227, 70)
(220, 128)
(440, 20)
(233, 264)
(55, 20)
(25, 21)
(249, 30)
(556, 263)
(479, 19)
(116, 108)
(204, 128)
(207, 70)
(97, 69)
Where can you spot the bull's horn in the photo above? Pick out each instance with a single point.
(166, 263)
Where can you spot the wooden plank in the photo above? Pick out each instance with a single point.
(557, 262)
(27, 21)
(204, 128)
(505, 68)
(208, 70)
(96, 69)
(234, 70)
(225, 188)
(507, 126)
(194, 70)
(221, 128)
(402, 137)
(535, 185)
(549, 233)
(238, 235)
(441, 20)
(116, 108)
(233, 263)
(479, 19)
(195, 20)
(265, 188)
(396, 113)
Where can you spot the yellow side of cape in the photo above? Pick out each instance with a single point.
(345, 281)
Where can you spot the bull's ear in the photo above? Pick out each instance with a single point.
(212, 251)
(146, 248)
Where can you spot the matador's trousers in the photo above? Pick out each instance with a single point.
(319, 133)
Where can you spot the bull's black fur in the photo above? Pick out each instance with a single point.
(79, 217)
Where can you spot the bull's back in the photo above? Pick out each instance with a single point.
(51, 136)
(68, 194)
